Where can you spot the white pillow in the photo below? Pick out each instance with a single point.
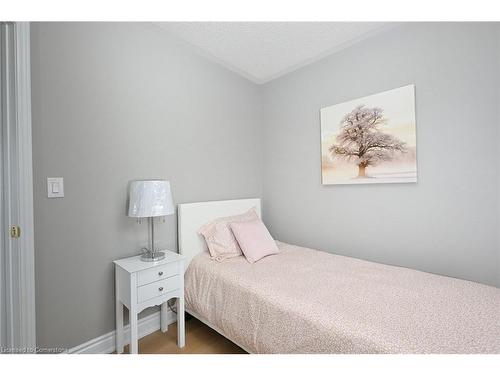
(220, 239)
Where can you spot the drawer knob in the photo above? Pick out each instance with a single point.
(160, 288)
(160, 273)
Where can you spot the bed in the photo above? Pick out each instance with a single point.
(307, 301)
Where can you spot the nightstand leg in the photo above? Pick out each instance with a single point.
(181, 339)
(163, 317)
(134, 345)
(119, 326)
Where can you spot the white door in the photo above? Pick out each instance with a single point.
(17, 314)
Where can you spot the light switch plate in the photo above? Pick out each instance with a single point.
(55, 187)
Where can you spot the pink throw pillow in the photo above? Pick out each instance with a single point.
(220, 240)
(254, 239)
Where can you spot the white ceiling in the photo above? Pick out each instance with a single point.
(263, 51)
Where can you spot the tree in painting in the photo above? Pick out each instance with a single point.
(362, 140)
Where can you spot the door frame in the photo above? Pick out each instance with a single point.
(18, 178)
(27, 259)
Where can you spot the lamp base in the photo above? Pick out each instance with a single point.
(153, 257)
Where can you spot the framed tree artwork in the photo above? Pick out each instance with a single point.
(370, 140)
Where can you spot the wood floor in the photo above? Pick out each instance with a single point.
(200, 339)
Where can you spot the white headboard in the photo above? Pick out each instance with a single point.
(191, 216)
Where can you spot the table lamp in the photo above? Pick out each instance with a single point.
(150, 198)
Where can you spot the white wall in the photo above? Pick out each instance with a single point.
(448, 222)
(111, 103)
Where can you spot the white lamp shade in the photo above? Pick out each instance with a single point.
(150, 198)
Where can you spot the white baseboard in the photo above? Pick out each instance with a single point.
(106, 343)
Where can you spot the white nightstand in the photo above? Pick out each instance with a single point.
(141, 284)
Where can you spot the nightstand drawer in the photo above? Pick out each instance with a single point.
(157, 273)
(157, 288)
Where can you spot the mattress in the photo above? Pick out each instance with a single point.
(308, 301)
